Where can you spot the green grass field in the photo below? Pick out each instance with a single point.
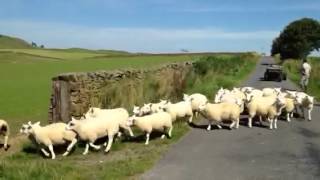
(292, 67)
(25, 77)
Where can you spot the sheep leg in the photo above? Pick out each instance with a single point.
(288, 117)
(45, 152)
(260, 120)
(190, 119)
(309, 114)
(119, 134)
(86, 149)
(238, 121)
(232, 124)
(53, 156)
(164, 133)
(291, 115)
(73, 142)
(270, 123)
(170, 132)
(219, 126)
(209, 126)
(110, 141)
(250, 122)
(196, 113)
(130, 131)
(147, 138)
(96, 147)
(6, 142)
(275, 123)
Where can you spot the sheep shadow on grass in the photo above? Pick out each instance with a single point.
(142, 137)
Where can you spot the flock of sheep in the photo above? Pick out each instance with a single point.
(267, 104)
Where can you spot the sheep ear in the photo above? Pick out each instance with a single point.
(92, 111)
(29, 123)
(37, 123)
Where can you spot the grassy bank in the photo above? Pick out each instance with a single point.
(292, 67)
(128, 158)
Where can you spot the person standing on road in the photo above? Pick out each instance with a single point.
(305, 74)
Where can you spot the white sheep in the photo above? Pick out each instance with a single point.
(178, 110)
(137, 111)
(50, 135)
(151, 108)
(121, 114)
(93, 128)
(271, 91)
(4, 131)
(196, 100)
(246, 89)
(231, 97)
(222, 111)
(255, 93)
(160, 121)
(269, 107)
(289, 108)
(304, 101)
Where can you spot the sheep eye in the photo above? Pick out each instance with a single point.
(29, 127)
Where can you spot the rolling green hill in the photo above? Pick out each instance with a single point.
(7, 42)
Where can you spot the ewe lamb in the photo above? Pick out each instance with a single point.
(178, 110)
(196, 100)
(160, 121)
(269, 107)
(4, 131)
(91, 129)
(119, 114)
(49, 135)
(222, 111)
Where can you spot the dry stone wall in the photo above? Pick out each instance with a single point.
(74, 93)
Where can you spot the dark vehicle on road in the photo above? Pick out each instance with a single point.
(274, 72)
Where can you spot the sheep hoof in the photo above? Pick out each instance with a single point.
(53, 158)
(107, 151)
(309, 119)
(85, 153)
(163, 136)
(65, 154)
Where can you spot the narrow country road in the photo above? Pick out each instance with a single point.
(290, 152)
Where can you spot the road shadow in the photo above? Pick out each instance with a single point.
(205, 126)
(225, 124)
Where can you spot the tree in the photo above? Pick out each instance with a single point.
(33, 44)
(298, 39)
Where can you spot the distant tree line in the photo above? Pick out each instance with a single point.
(298, 39)
(33, 44)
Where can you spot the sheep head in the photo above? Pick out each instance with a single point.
(136, 110)
(131, 120)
